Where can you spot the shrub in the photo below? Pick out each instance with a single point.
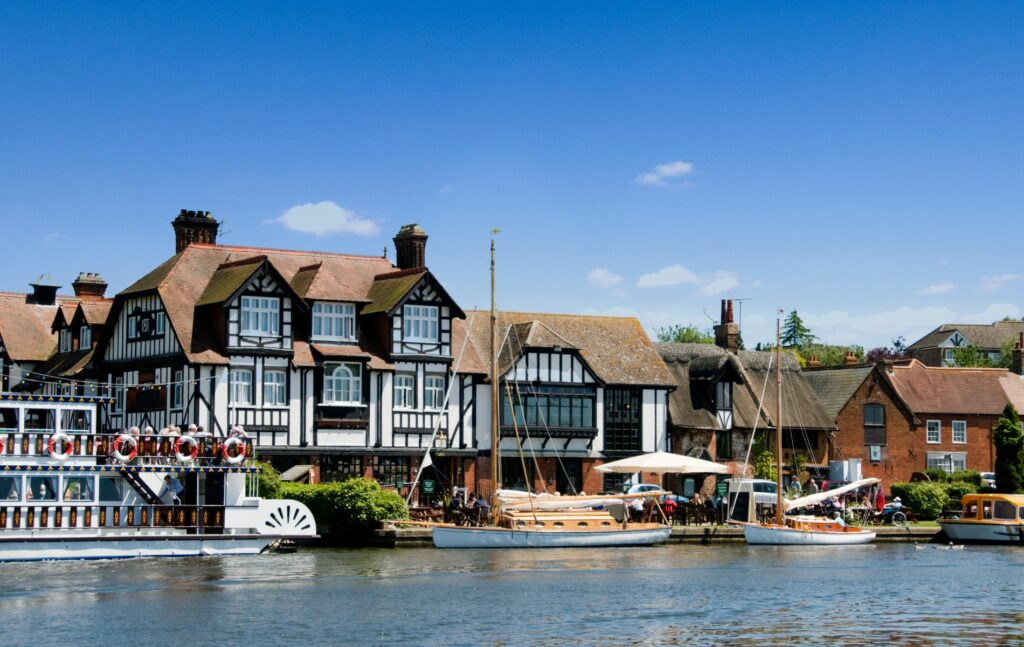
(957, 489)
(347, 512)
(270, 481)
(927, 500)
(936, 474)
(966, 476)
(1009, 443)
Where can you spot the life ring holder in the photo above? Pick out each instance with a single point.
(65, 441)
(119, 443)
(234, 441)
(191, 455)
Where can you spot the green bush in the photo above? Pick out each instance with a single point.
(347, 512)
(270, 481)
(936, 474)
(957, 489)
(927, 500)
(966, 476)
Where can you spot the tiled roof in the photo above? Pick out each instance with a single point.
(26, 328)
(229, 278)
(928, 389)
(835, 385)
(65, 364)
(365, 350)
(182, 283)
(388, 290)
(616, 348)
(985, 336)
(698, 367)
(95, 312)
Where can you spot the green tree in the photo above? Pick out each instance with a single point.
(763, 461)
(680, 334)
(794, 332)
(1009, 442)
(970, 357)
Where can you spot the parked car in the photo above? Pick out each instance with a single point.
(640, 488)
(988, 479)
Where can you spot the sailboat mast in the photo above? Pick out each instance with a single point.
(494, 396)
(778, 421)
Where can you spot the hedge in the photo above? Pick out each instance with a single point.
(927, 500)
(347, 512)
(270, 481)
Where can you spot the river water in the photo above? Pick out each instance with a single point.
(664, 595)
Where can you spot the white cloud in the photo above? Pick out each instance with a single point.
(671, 275)
(657, 175)
(938, 288)
(991, 283)
(602, 278)
(324, 218)
(719, 283)
(993, 312)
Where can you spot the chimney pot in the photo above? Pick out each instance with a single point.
(727, 333)
(411, 247)
(89, 286)
(851, 358)
(194, 227)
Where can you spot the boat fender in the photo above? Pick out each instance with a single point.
(239, 455)
(193, 450)
(119, 442)
(62, 451)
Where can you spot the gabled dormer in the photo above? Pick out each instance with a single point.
(253, 303)
(418, 310)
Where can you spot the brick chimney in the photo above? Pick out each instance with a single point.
(1016, 365)
(194, 227)
(89, 286)
(851, 358)
(814, 362)
(44, 290)
(727, 333)
(411, 247)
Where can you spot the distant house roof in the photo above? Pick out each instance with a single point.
(202, 274)
(26, 327)
(95, 312)
(987, 336)
(698, 367)
(616, 348)
(835, 385)
(934, 390)
(66, 364)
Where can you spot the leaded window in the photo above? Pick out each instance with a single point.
(391, 470)
(622, 420)
(340, 468)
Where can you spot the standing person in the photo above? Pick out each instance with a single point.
(880, 499)
(171, 489)
(813, 486)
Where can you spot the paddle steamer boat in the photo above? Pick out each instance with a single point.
(70, 492)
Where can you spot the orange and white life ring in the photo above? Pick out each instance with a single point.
(239, 454)
(120, 454)
(66, 447)
(192, 452)
(3, 446)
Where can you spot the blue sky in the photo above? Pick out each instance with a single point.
(861, 162)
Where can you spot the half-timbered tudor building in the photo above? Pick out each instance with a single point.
(575, 391)
(337, 364)
(78, 327)
(27, 340)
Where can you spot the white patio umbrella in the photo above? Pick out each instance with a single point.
(663, 463)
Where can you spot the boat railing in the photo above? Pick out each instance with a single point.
(61, 516)
(151, 448)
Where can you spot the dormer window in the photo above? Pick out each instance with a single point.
(65, 340)
(85, 337)
(420, 323)
(334, 321)
(261, 316)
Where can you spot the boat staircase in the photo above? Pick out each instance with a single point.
(143, 490)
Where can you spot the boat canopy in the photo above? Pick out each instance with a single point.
(814, 499)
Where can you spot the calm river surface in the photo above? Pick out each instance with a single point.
(669, 594)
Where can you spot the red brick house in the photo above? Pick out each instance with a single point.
(903, 417)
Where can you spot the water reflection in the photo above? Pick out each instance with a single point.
(672, 594)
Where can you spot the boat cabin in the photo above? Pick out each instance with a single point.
(993, 507)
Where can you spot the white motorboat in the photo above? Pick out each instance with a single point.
(68, 492)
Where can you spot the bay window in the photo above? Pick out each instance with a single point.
(261, 316)
(240, 391)
(334, 321)
(420, 323)
(343, 383)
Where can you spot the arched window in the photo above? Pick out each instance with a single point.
(343, 383)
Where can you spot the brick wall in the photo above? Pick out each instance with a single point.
(906, 449)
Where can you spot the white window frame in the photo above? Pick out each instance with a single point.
(259, 316)
(947, 357)
(236, 395)
(333, 321)
(85, 337)
(961, 433)
(133, 327)
(65, 340)
(875, 453)
(343, 383)
(928, 432)
(177, 389)
(421, 323)
(405, 394)
(433, 392)
(276, 388)
(948, 461)
(160, 325)
(118, 405)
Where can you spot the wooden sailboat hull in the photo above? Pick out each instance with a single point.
(786, 536)
(469, 537)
